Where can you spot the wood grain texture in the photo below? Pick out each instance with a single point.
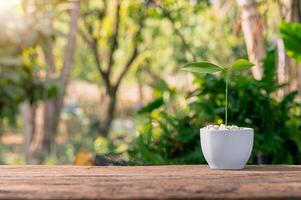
(152, 182)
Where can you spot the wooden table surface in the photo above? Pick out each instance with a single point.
(153, 182)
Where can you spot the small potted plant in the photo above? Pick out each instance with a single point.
(224, 146)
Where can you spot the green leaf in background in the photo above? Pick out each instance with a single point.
(151, 106)
(291, 35)
(202, 67)
(269, 79)
(241, 64)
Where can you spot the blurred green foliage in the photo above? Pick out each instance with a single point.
(19, 81)
(11, 92)
(291, 35)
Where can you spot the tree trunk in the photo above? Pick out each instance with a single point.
(40, 145)
(51, 118)
(287, 71)
(49, 105)
(109, 114)
(283, 67)
(53, 107)
(253, 34)
(32, 115)
(293, 14)
(106, 73)
(140, 90)
(26, 113)
(291, 10)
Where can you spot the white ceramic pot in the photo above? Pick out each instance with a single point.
(227, 149)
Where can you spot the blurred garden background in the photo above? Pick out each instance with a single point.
(98, 82)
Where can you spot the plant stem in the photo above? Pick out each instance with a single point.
(226, 104)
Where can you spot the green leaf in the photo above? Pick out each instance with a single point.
(202, 67)
(151, 106)
(269, 71)
(291, 35)
(241, 64)
(288, 100)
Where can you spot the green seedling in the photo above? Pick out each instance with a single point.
(210, 68)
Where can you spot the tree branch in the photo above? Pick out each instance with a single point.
(47, 49)
(85, 37)
(71, 44)
(92, 42)
(127, 67)
(115, 35)
(178, 32)
(134, 55)
(103, 74)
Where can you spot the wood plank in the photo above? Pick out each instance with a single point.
(152, 182)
